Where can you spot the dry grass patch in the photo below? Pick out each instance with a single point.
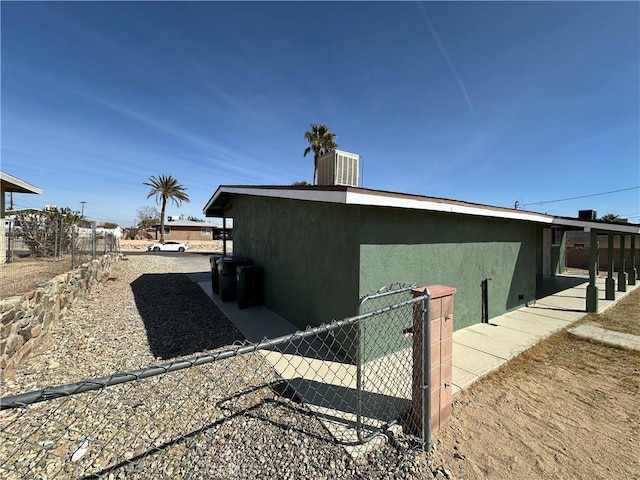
(25, 274)
(566, 408)
(623, 317)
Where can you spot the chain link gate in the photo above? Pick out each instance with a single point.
(392, 360)
(178, 418)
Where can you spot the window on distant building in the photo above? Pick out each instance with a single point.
(206, 231)
(167, 230)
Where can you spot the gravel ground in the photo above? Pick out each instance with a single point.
(224, 419)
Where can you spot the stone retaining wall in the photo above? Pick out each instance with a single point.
(25, 319)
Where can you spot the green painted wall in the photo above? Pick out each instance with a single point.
(320, 258)
(309, 252)
(460, 251)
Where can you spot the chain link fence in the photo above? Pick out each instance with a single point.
(280, 407)
(56, 247)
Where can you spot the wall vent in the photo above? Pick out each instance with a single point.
(339, 168)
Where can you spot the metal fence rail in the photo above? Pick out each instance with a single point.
(188, 417)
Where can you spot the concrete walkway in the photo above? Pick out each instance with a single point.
(482, 348)
(477, 350)
(617, 339)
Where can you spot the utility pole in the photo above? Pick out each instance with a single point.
(82, 215)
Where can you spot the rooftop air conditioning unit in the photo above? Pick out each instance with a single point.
(339, 168)
(587, 214)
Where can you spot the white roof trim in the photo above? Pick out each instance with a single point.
(358, 198)
(387, 199)
(381, 200)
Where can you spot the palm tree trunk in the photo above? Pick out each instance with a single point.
(315, 169)
(164, 206)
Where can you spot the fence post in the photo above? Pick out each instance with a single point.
(55, 239)
(10, 243)
(421, 383)
(93, 240)
(62, 238)
(73, 247)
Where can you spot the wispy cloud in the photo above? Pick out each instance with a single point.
(218, 154)
(446, 56)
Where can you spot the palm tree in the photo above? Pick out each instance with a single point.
(610, 217)
(164, 188)
(321, 140)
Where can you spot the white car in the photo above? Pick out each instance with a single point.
(167, 247)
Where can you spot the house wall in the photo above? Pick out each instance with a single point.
(579, 258)
(320, 258)
(454, 250)
(578, 246)
(185, 234)
(309, 252)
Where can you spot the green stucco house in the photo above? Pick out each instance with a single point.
(324, 247)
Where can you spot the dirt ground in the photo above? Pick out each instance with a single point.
(22, 275)
(567, 408)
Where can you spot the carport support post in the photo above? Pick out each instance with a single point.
(592, 290)
(224, 236)
(610, 292)
(633, 272)
(622, 274)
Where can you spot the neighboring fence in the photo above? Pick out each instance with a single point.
(64, 247)
(578, 257)
(26, 318)
(223, 413)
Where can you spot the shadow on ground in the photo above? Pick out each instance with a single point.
(179, 317)
(552, 285)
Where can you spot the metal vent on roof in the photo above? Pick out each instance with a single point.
(587, 214)
(339, 168)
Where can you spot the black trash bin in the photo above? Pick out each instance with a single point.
(227, 276)
(215, 278)
(249, 286)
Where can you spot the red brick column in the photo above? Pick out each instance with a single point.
(441, 319)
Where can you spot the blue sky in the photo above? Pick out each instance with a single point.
(483, 102)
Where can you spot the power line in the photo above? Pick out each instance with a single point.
(582, 196)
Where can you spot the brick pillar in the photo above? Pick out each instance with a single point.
(441, 320)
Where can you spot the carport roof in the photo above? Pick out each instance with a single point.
(12, 184)
(221, 204)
